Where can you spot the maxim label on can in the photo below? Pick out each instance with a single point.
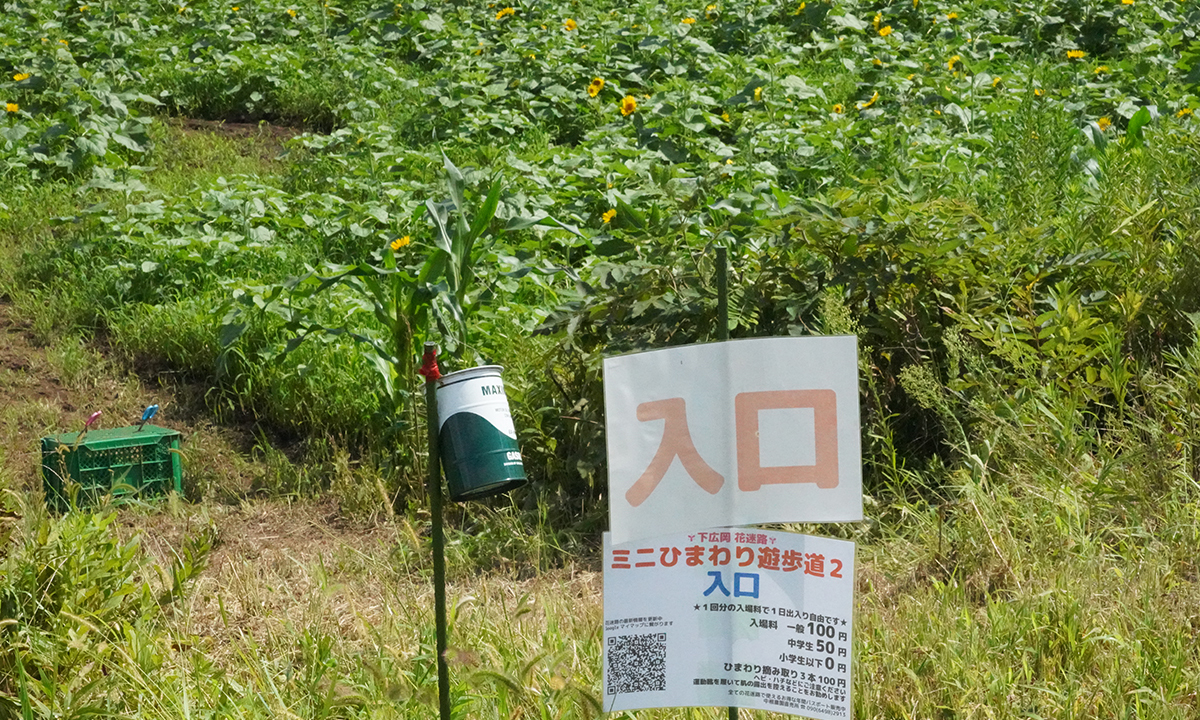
(478, 440)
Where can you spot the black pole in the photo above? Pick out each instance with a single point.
(439, 539)
(723, 331)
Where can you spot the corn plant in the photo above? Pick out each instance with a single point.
(410, 299)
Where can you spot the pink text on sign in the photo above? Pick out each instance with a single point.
(677, 443)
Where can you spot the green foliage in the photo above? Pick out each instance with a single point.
(1013, 177)
(408, 297)
(944, 172)
(73, 607)
(999, 199)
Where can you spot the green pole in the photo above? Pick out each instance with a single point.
(439, 539)
(722, 293)
(723, 331)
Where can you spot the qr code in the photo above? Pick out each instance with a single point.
(637, 663)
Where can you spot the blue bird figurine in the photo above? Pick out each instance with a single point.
(149, 413)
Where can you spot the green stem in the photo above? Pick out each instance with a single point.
(723, 294)
(401, 342)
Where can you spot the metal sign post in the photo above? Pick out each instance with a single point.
(430, 371)
(723, 331)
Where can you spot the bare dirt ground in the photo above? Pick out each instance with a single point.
(240, 130)
(21, 378)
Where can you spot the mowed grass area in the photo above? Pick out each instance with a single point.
(1001, 200)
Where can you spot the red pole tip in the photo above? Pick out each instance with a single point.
(429, 367)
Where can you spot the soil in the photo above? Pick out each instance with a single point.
(264, 130)
(17, 361)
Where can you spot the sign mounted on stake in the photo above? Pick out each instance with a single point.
(764, 430)
(742, 617)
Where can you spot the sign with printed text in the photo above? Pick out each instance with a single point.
(736, 617)
(733, 433)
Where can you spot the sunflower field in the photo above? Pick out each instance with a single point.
(278, 203)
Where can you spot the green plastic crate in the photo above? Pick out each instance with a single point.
(124, 461)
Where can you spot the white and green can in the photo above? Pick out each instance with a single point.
(476, 435)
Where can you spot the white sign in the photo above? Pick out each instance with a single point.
(733, 433)
(735, 617)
